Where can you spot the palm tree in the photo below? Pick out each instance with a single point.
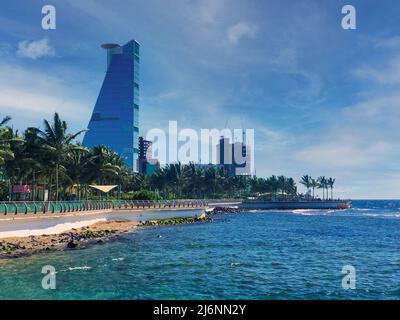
(291, 188)
(12, 151)
(306, 181)
(330, 183)
(158, 181)
(174, 177)
(5, 151)
(282, 180)
(210, 180)
(194, 176)
(23, 165)
(322, 185)
(57, 144)
(104, 165)
(138, 182)
(76, 169)
(327, 188)
(314, 184)
(6, 137)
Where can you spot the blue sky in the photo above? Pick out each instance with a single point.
(322, 100)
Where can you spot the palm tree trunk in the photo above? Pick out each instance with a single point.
(56, 182)
(50, 188)
(33, 185)
(9, 190)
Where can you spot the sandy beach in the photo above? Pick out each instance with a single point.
(58, 228)
(98, 231)
(28, 235)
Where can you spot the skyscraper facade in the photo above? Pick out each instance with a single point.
(146, 164)
(115, 118)
(234, 157)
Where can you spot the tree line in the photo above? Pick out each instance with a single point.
(51, 158)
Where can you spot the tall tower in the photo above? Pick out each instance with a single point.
(115, 118)
(145, 163)
(234, 157)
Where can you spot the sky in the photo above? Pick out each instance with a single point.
(321, 100)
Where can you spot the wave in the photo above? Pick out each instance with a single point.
(309, 212)
(118, 259)
(75, 268)
(233, 264)
(79, 268)
(353, 212)
(302, 210)
(382, 215)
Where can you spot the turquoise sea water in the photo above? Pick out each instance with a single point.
(257, 255)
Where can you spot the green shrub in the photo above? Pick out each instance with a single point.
(141, 195)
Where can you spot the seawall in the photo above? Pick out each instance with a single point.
(293, 205)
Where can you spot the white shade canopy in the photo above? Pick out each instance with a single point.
(104, 189)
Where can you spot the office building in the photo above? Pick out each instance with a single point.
(145, 163)
(234, 157)
(115, 118)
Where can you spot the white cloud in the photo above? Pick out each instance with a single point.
(377, 109)
(344, 154)
(35, 49)
(206, 11)
(45, 104)
(239, 31)
(388, 43)
(269, 139)
(388, 75)
(382, 104)
(29, 96)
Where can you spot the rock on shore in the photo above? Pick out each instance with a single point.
(222, 210)
(176, 220)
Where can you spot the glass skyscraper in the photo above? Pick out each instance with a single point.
(115, 118)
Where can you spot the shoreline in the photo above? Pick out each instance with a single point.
(14, 247)
(57, 229)
(81, 237)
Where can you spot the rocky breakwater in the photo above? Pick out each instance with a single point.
(176, 220)
(223, 210)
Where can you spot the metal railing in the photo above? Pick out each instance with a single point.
(294, 200)
(43, 207)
